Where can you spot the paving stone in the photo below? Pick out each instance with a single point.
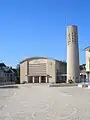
(40, 102)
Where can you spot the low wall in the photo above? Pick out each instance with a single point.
(63, 85)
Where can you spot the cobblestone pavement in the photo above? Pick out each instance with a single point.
(35, 102)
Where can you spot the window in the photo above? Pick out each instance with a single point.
(69, 36)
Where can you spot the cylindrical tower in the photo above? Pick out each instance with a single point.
(73, 71)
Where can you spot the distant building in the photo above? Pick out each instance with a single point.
(83, 73)
(88, 63)
(42, 70)
(6, 74)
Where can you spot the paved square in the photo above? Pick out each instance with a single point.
(40, 102)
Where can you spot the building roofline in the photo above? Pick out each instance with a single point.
(31, 58)
(36, 57)
(87, 48)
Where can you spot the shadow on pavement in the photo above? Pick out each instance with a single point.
(8, 86)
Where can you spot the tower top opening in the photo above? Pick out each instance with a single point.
(71, 26)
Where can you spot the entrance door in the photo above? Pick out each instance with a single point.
(36, 79)
(43, 79)
(30, 79)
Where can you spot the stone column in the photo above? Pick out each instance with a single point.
(39, 79)
(33, 79)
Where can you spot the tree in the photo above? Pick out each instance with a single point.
(18, 70)
(82, 67)
(18, 74)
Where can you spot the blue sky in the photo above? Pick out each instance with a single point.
(38, 28)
